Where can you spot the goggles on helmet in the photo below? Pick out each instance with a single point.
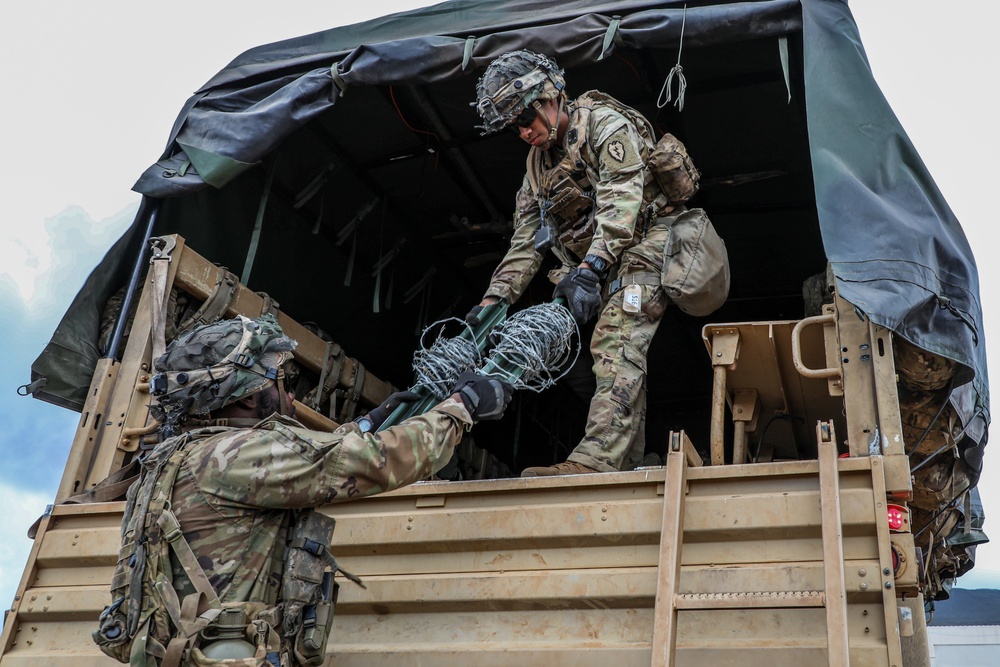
(502, 108)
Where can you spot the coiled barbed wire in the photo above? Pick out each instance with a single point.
(437, 367)
(539, 343)
(533, 349)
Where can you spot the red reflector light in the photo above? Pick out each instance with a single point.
(898, 516)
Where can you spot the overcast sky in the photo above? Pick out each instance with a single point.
(91, 91)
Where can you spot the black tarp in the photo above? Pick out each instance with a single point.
(896, 249)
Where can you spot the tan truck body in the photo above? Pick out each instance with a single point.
(787, 562)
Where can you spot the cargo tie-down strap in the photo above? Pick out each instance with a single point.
(159, 268)
(351, 395)
(329, 376)
(217, 302)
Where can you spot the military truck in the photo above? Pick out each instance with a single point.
(813, 446)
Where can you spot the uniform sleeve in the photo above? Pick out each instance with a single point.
(280, 466)
(618, 193)
(521, 262)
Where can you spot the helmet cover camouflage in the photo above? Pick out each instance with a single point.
(217, 364)
(513, 81)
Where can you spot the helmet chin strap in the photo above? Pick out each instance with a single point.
(554, 127)
(283, 407)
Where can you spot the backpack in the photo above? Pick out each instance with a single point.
(695, 272)
(149, 623)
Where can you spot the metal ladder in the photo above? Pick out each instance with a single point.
(669, 601)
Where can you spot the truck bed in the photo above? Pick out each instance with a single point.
(564, 570)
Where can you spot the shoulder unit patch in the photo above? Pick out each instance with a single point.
(618, 151)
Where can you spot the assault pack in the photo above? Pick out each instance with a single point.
(148, 623)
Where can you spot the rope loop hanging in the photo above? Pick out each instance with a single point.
(666, 92)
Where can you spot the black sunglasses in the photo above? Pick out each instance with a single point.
(523, 119)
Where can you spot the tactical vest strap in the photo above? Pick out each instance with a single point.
(184, 613)
(226, 422)
(174, 536)
(639, 278)
(141, 648)
(564, 191)
(174, 652)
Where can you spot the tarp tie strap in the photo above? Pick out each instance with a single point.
(350, 261)
(666, 93)
(339, 85)
(783, 53)
(258, 225)
(944, 303)
(470, 42)
(32, 387)
(422, 288)
(611, 35)
(379, 266)
(351, 230)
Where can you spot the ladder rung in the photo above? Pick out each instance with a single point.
(749, 600)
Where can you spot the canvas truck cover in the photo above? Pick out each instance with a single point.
(894, 245)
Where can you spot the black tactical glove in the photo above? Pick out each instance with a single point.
(472, 317)
(582, 291)
(381, 413)
(485, 397)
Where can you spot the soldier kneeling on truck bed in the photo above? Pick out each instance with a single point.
(223, 560)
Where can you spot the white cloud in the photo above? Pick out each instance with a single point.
(20, 509)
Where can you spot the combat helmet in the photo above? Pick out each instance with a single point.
(511, 83)
(217, 364)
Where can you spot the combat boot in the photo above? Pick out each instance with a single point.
(565, 468)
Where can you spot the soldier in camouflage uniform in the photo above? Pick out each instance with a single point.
(233, 492)
(589, 195)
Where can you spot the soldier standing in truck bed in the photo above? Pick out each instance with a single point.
(222, 555)
(603, 195)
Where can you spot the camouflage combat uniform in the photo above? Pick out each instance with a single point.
(234, 486)
(627, 227)
(223, 558)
